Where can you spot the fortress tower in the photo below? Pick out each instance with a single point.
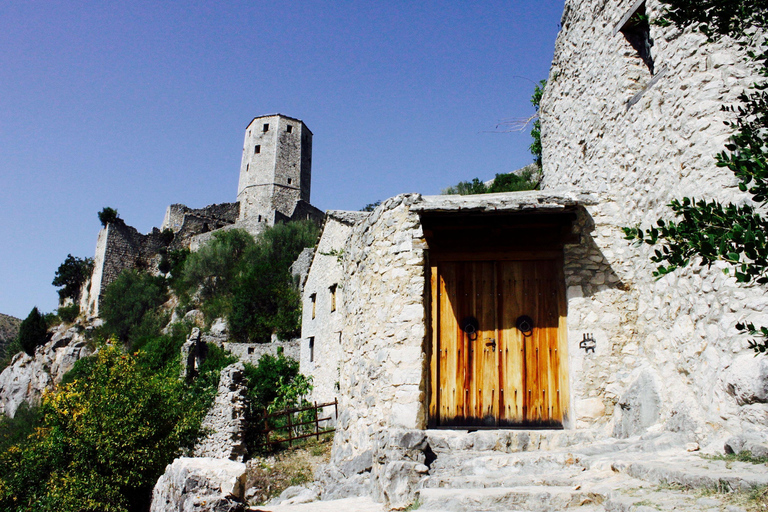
(275, 173)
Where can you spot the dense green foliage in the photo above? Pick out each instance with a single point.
(130, 305)
(708, 230)
(511, 182)
(535, 146)
(71, 275)
(104, 438)
(275, 385)
(68, 314)
(108, 215)
(248, 281)
(32, 331)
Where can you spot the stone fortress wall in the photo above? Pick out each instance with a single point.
(274, 187)
(667, 352)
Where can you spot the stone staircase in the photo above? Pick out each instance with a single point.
(550, 470)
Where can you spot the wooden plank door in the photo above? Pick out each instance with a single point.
(533, 378)
(502, 377)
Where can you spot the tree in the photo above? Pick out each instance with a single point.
(32, 331)
(108, 215)
(535, 146)
(708, 230)
(71, 275)
(103, 442)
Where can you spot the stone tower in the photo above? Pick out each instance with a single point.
(275, 172)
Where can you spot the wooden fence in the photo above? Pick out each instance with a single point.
(294, 425)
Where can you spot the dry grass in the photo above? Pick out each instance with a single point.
(272, 474)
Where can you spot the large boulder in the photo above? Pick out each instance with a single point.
(640, 405)
(200, 485)
(747, 379)
(27, 377)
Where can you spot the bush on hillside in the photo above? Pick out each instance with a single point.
(68, 314)
(524, 179)
(130, 305)
(248, 281)
(265, 300)
(32, 331)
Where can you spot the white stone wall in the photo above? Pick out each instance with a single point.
(324, 327)
(666, 351)
(383, 364)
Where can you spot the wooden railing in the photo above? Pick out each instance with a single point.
(294, 425)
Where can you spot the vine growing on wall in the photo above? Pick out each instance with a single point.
(710, 231)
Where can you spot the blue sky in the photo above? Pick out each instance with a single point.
(137, 105)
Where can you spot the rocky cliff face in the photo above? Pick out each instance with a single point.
(27, 377)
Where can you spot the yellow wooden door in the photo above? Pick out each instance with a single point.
(499, 375)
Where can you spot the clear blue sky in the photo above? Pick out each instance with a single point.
(137, 105)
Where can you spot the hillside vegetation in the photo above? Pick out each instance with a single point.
(102, 439)
(9, 329)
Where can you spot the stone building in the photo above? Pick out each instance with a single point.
(322, 317)
(274, 186)
(530, 309)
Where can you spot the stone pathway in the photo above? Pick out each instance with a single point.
(543, 471)
(346, 505)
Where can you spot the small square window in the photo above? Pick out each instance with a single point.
(311, 349)
(289, 128)
(251, 350)
(257, 148)
(266, 127)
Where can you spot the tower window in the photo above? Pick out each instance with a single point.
(257, 148)
(289, 181)
(266, 127)
(313, 300)
(289, 128)
(333, 297)
(247, 166)
(311, 349)
(637, 31)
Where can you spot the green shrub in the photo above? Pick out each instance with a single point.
(212, 270)
(68, 314)
(264, 299)
(103, 443)
(108, 215)
(130, 303)
(32, 331)
(466, 188)
(17, 429)
(514, 182)
(71, 275)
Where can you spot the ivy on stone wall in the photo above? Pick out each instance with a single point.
(710, 231)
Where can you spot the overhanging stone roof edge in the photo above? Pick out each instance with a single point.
(555, 199)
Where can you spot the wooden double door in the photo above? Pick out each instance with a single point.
(498, 344)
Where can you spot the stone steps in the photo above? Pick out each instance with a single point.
(507, 441)
(557, 470)
(537, 498)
